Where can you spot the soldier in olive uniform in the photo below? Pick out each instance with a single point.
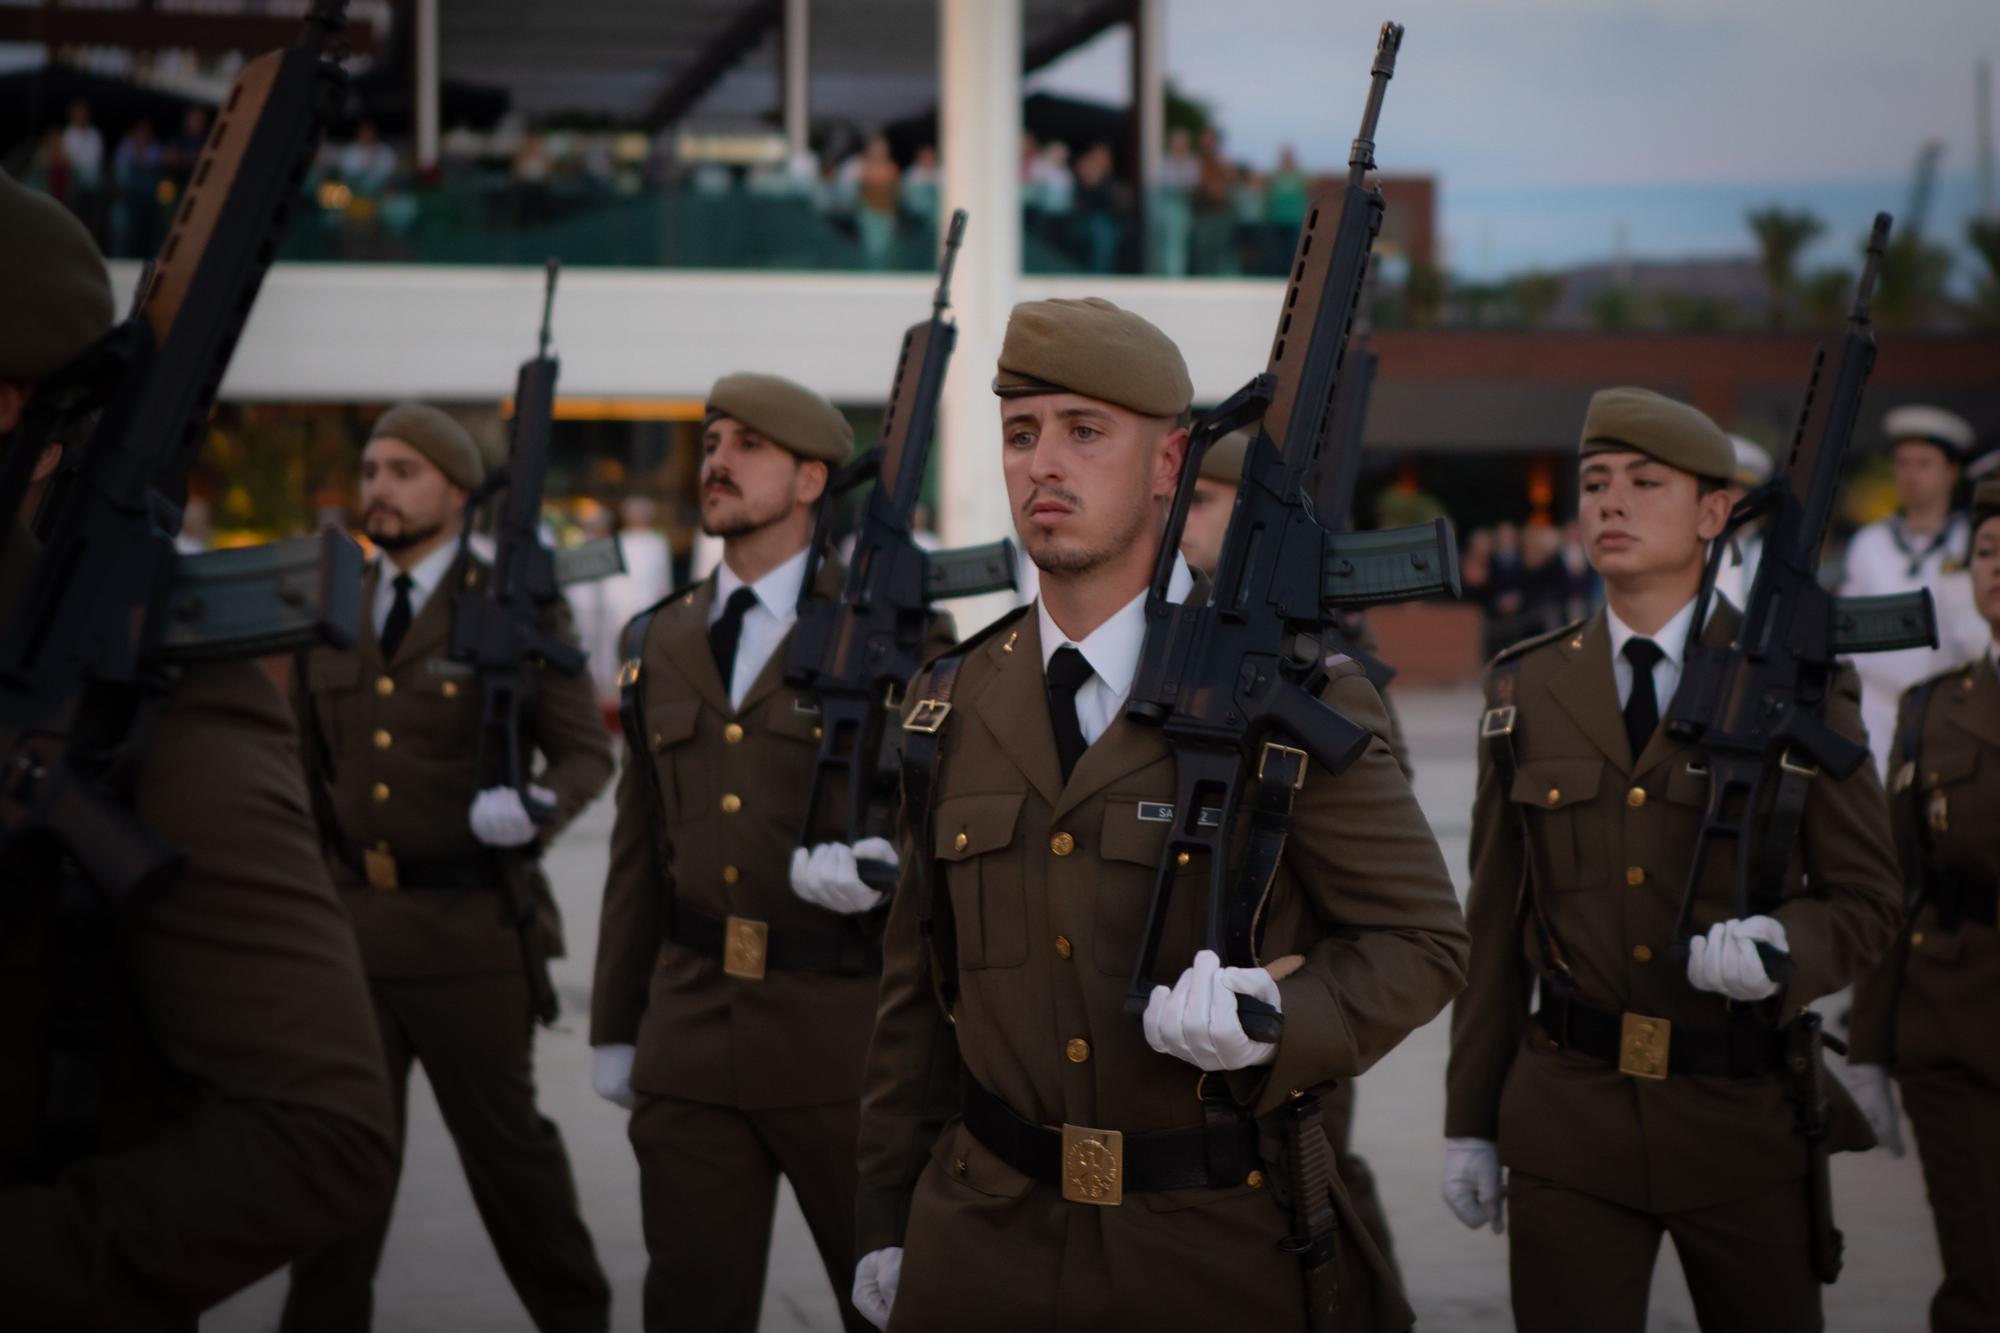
(392, 729)
(1046, 821)
(736, 971)
(1928, 1011)
(1201, 543)
(1643, 1096)
(246, 1118)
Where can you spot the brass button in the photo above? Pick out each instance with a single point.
(1642, 953)
(1636, 797)
(1063, 947)
(730, 874)
(1181, 859)
(1635, 876)
(1255, 1180)
(1555, 794)
(731, 803)
(1077, 1049)
(382, 739)
(1933, 778)
(732, 733)
(1062, 844)
(451, 689)
(958, 843)
(381, 792)
(384, 686)
(659, 739)
(818, 732)
(1916, 939)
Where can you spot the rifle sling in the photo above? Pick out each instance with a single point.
(1497, 729)
(923, 760)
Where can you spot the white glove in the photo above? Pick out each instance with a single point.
(1472, 1183)
(875, 1280)
(1196, 1021)
(1869, 1086)
(499, 819)
(611, 1074)
(1726, 961)
(827, 877)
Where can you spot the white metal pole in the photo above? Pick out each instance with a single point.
(1149, 81)
(797, 49)
(428, 78)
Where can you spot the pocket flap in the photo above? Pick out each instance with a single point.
(1949, 765)
(674, 723)
(332, 671)
(1128, 837)
(974, 825)
(794, 717)
(1552, 784)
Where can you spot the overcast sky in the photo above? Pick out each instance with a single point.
(1499, 96)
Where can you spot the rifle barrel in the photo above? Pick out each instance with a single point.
(549, 303)
(953, 236)
(1878, 242)
(1361, 157)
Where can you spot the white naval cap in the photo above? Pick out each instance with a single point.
(1934, 425)
(1753, 462)
(1984, 466)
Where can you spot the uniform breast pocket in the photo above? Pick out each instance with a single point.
(445, 717)
(1131, 842)
(333, 683)
(983, 874)
(794, 725)
(1556, 796)
(670, 727)
(1948, 805)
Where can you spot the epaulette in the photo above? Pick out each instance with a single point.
(1931, 682)
(1534, 641)
(632, 639)
(966, 645)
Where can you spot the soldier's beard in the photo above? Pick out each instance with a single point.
(404, 537)
(747, 519)
(1068, 557)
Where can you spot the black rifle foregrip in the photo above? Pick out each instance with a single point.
(1779, 966)
(1260, 1021)
(880, 876)
(969, 571)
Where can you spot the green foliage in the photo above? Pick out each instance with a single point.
(1781, 236)
(1983, 235)
(1192, 114)
(1616, 309)
(1824, 297)
(1683, 312)
(1534, 297)
(1423, 295)
(1910, 292)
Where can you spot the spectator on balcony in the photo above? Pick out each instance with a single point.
(1287, 194)
(135, 192)
(83, 150)
(1102, 204)
(367, 165)
(1247, 206)
(1172, 206)
(920, 190)
(185, 147)
(877, 193)
(1215, 178)
(1051, 189)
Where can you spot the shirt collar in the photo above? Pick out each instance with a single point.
(428, 573)
(1112, 649)
(1672, 636)
(777, 592)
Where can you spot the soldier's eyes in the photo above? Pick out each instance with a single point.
(1083, 432)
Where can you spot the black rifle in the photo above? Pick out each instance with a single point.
(89, 649)
(1234, 683)
(1757, 705)
(1340, 467)
(1805, 1078)
(856, 654)
(502, 632)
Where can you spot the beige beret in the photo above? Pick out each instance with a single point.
(1093, 348)
(57, 295)
(438, 437)
(1224, 460)
(1641, 421)
(1933, 425)
(789, 415)
(1985, 501)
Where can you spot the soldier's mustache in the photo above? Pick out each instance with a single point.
(1040, 493)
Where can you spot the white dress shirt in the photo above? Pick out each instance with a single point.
(764, 624)
(1672, 639)
(424, 581)
(1112, 649)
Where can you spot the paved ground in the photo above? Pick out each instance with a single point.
(440, 1273)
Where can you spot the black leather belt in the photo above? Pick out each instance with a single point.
(391, 874)
(1635, 1043)
(1087, 1161)
(748, 949)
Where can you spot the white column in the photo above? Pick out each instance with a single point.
(979, 121)
(797, 43)
(1149, 107)
(425, 31)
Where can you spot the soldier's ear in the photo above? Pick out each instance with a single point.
(1167, 465)
(1713, 515)
(13, 398)
(810, 483)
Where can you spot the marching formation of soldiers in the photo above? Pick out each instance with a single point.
(980, 1129)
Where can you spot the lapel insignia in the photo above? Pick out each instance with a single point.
(1162, 812)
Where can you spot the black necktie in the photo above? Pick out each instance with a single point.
(725, 633)
(1642, 706)
(1068, 670)
(398, 623)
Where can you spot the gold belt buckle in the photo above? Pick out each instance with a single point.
(1292, 752)
(1642, 1046)
(1093, 1165)
(927, 716)
(380, 868)
(1497, 722)
(744, 946)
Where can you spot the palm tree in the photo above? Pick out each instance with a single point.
(1983, 234)
(1781, 235)
(1826, 296)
